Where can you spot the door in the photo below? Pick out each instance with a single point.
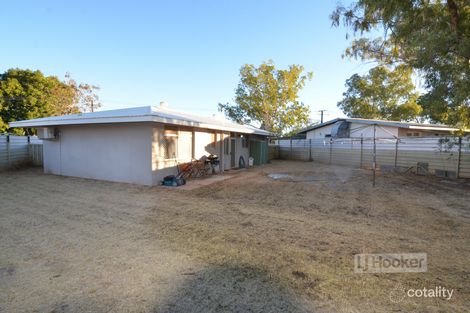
(233, 144)
(259, 151)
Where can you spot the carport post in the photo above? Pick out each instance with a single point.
(222, 151)
(193, 144)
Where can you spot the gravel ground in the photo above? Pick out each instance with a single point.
(256, 242)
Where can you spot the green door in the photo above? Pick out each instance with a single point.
(259, 151)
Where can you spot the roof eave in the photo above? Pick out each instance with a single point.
(81, 121)
(133, 119)
(313, 127)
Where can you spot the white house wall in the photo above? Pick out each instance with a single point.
(367, 131)
(51, 156)
(241, 152)
(225, 138)
(202, 144)
(161, 167)
(120, 153)
(131, 152)
(404, 132)
(319, 132)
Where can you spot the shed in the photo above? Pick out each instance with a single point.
(141, 145)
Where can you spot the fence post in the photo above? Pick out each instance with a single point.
(459, 156)
(30, 152)
(310, 150)
(375, 157)
(331, 149)
(8, 150)
(291, 152)
(396, 154)
(362, 141)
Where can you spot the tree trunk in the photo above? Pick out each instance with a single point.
(454, 14)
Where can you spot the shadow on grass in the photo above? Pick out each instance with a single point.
(230, 289)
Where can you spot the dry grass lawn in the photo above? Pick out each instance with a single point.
(245, 244)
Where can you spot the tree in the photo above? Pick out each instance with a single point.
(87, 99)
(432, 37)
(381, 94)
(63, 97)
(26, 94)
(269, 96)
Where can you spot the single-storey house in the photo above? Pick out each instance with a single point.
(359, 127)
(143, 144)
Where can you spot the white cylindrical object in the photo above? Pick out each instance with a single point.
(251, 161)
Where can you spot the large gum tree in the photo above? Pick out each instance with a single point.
(269, 97)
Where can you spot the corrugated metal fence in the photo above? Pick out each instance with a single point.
(18, 150)
(448, 157)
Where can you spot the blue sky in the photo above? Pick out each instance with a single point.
(187, 53)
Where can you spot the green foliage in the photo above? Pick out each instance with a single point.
(432, 37)
(381, 94)
(26, 94)
(268, 96)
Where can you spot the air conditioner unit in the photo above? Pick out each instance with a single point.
(47, 133)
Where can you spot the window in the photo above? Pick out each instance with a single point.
(244, 142)
(170, 144)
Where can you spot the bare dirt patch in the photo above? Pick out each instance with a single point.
(249, 243)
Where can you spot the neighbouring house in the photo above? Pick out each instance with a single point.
(358, 127)
(141, 145)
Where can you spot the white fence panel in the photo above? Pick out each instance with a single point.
(16, 150)
(402, 153)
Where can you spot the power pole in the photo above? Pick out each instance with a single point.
(321, 115)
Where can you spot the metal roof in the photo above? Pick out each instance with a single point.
(142, 114)
(398, 124)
